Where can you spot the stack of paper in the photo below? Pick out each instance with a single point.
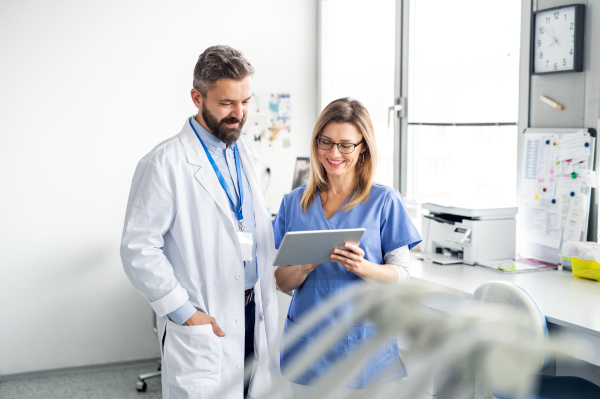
(517, 265)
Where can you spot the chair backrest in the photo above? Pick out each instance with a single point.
(504, 293)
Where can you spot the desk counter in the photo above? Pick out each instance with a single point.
(571, 305)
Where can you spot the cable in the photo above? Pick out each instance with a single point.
(268, 172)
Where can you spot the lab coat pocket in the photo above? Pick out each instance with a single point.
(192, 355)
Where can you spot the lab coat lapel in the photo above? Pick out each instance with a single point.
(249, 164)
(205, 175)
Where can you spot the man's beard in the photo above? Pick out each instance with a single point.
(219, 130)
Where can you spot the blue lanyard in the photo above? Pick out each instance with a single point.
(238, 210)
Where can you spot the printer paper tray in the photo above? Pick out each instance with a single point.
(441, 259)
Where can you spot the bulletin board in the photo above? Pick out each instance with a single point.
(556, 178)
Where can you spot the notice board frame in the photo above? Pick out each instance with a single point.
(527, 246)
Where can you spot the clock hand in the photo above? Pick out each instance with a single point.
(553, 37)
(561, 33)
(551, 34)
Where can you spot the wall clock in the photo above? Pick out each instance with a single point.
(557, 39)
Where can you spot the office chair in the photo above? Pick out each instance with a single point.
(550, 387)
(141, 385)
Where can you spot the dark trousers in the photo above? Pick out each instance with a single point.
(249, 344)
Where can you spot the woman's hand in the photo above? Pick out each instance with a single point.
(352, 259)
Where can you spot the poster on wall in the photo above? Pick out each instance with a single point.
(257, 122)
(273, 126)
(280, 106)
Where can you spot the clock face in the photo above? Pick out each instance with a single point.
(555, 40)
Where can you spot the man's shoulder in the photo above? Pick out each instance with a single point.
(167, 150)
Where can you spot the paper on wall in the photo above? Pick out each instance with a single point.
(545, 167)
(542, 224)
(576, 145)
(532, 148)
(564, 206)
(565, 185)
(587, 177)
(575, 218)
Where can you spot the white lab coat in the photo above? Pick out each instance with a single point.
(179, 242)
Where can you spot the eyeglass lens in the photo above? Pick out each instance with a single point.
(345, 148)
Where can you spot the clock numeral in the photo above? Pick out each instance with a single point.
(547, 20)
(547, 62)
(539, 43)
(541, 55)
(564, 61)
(573, 39)
(556, 15)
(542, 30)
(555, 66)
(571, 52)
(571, 26)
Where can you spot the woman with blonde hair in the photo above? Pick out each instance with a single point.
(341, 194)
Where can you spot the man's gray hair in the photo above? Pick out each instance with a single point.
(220, 62)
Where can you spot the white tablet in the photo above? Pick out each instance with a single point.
(313, 246)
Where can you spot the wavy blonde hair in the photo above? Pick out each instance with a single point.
(343, 110)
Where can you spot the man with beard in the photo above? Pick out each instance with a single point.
(198, 245)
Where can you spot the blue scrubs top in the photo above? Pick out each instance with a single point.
(388, 227)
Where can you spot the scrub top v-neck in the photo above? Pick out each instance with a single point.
(319, 204)
(388, 227)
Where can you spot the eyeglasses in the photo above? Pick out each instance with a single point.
(344, 148)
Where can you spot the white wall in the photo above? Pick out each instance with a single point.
(87, 88)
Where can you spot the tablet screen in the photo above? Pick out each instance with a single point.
(313, 246)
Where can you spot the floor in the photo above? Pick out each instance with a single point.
(117, 382)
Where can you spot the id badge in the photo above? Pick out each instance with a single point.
(246, 244)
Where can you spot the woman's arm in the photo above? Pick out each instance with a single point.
(399, 259)
(353, 260)
(289, 278)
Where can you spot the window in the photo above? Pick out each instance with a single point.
(357, 59)
(463, 68)
(461, 73)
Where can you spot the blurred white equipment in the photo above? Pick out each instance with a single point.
(549, 387)
(465, 348)
(462, 235)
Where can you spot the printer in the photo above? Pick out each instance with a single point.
(468, 235)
